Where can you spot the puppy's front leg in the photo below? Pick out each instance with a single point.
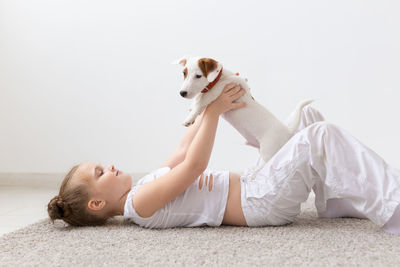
(195, 111)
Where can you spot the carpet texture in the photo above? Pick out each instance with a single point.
(309, 241)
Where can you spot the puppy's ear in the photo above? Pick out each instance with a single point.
(210, 68)
(182, 61)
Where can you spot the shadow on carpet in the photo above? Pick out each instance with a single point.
(309, 241)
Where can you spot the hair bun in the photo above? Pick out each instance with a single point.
(57, 208)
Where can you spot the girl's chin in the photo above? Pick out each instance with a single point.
(127, 175)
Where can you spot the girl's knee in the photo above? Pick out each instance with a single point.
(323, 127)
(308, 109)
(312, 114)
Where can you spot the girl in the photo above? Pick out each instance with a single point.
(348, 179)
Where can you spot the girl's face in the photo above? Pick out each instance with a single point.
(107, 184)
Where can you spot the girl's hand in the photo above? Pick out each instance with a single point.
(225, 101)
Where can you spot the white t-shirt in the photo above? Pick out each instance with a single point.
(193, 207)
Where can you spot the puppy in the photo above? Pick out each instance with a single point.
(204, 80)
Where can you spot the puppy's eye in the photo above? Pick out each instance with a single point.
(198, 76)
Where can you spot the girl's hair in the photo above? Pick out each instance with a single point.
(71, 204)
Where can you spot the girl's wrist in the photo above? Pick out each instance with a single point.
(211, 110)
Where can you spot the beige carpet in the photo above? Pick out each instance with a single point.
(307, 242)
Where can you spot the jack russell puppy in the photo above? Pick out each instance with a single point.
(204, 80)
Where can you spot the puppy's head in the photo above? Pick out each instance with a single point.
(197, 73)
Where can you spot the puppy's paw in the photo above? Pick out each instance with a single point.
(190, 119)
(187, 123)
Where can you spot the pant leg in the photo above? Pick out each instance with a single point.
(334, 164)
(348, 169)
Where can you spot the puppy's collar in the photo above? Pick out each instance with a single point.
(211, 84)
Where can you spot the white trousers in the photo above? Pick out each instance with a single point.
(328, 160)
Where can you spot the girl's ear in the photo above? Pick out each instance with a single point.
(96, 204)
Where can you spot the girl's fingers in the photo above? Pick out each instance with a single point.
(229, 86)
(239, 104)
(239, 93)
(234, 90)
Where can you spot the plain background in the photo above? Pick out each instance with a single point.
(92, 80)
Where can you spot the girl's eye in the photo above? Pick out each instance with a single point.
(101, 172)
(198, 76)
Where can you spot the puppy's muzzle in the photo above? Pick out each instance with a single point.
(183, 93)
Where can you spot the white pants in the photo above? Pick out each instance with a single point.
(328, 160)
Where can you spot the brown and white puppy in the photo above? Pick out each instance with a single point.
(204, 80)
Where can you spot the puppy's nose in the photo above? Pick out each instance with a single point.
(183, 93)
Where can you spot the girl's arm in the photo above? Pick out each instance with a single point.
(179, 154)
(157, 193)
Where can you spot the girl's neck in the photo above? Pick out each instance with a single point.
(120, 205)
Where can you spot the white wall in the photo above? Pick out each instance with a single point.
(92, 80)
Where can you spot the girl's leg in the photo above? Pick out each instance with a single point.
(354, 179)
(332, 163)
(335, 207)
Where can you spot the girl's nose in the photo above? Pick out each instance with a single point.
(111, 167)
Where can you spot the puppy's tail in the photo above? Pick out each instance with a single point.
(297, 113)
